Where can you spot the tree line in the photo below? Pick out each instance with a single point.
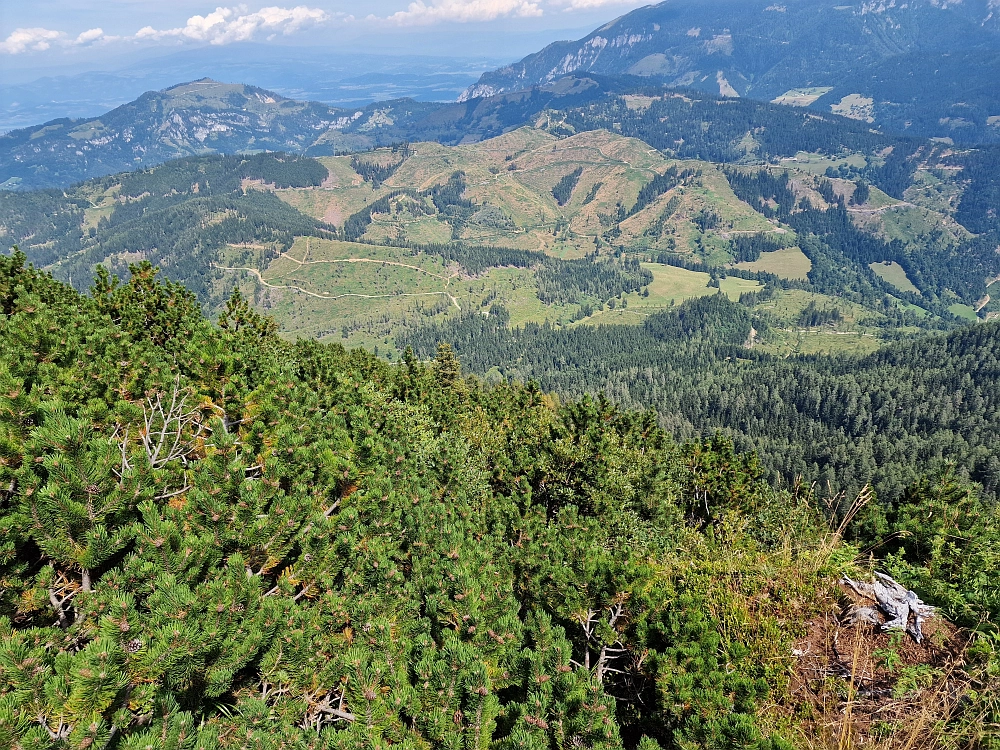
(214, 538)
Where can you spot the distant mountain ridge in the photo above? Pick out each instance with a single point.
(883, 57)
(334, 78)
(206, 117)
(200, 117)
(922, 68)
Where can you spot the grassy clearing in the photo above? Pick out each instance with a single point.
(788, 304)
(788, 263)
(855, 333)
(817, 164)
(332, 205)
(517, 290)
(733, 287)
(893, 273)
(363, 294)
(802, 97)
(423, 229)
(714, 193)
(963, 311)
(915, 309)
(92, 216)
(311, 249)
(671, 286)
(356, 293)
(855, 106)
(794, 342)
(338, 279)
(914, 226)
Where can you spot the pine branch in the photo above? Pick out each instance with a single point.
(61, 733)
(316, 715)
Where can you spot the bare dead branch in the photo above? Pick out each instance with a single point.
(164, 427)
(58, 605)
(323, 711)
(168, 495)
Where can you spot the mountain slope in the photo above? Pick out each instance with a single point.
(764, 50)
(207, 117)
(201, 117)
(570, 229)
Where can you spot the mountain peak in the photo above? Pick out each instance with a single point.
(206, 81)
(758, 48)
(210, 88)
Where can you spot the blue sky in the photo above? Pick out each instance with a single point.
(54, 32)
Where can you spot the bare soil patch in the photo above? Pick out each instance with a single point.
(862, 684)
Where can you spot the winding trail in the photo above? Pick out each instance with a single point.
(880, 209)
(368, 260)
(261, 279)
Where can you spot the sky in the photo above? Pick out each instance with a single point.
(89, 33)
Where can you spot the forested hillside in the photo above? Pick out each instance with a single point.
(178, 217)
(212, 539)
(586, 227)
(841, 421)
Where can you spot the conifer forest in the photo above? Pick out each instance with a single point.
(643, 395)
(213, 538)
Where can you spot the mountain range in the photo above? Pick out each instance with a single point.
(916, 69)
(922, 67)
(206, 116)
(339, 79)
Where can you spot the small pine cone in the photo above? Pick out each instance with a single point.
(133, 646)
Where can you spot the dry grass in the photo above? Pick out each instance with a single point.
(788, 263)
(855, 687)
(854, 700)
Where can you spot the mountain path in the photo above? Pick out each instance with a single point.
(368, 260)
(261, 279)
(880, 209)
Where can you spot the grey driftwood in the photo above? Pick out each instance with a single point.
(900, 608)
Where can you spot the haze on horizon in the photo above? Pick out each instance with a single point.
(74, 36)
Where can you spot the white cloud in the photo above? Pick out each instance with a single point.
(91, 35)
(222, 26)
(237, 23)
(571, 5)
(463, 11)
(226, 25)
(37, 39)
